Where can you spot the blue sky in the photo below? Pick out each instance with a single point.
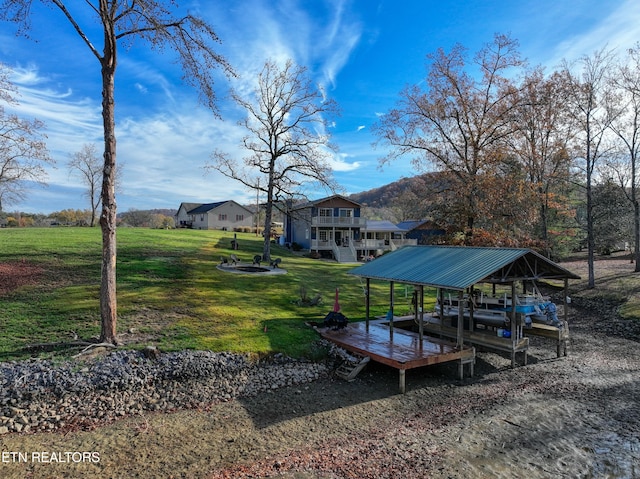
(363, 51)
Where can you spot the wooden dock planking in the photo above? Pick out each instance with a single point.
(485, 338)
(404, 351)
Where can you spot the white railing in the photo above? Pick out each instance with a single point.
(336, 251)
(338, 221)
(320, 244)
(373, 244)
(353, 250)
(399, 243)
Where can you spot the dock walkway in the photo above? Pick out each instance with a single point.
(401, 349)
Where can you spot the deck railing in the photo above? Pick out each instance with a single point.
(337, 221)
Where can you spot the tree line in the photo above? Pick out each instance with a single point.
(523, 154)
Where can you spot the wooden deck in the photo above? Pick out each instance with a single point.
(483, 337)
(403, 350)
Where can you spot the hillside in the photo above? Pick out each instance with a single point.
(385, 196)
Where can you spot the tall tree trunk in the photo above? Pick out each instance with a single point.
(636, 211)
(108, 301)
(268, 212)
(591, 241)
(636, 230)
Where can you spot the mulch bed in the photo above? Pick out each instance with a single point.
(14, 275)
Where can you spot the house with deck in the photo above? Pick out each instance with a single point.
(334, 227)
(222, 215)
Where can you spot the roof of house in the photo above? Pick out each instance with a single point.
(188, 206)
(408, 225)
(383, 225)
(459, 267)
(203, 208)
(197, 208)
(311, 203)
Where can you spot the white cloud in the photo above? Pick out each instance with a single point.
(618, 30)
(340, 164)
(162, 154)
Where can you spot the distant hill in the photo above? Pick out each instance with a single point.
(387, 195)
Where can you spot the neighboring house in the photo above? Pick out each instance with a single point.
(334, 226)
(424, 231)
(223, 215)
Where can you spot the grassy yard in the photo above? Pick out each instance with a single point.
(171, 294)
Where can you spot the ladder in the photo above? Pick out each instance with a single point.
(348, 370)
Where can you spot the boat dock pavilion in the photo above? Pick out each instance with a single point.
(453, 269)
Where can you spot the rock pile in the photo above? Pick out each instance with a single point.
(39, 395)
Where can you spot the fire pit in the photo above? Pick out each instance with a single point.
(250, 269)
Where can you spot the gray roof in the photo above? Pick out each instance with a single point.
(382, 225)
(412, 224)
(311, 203)
(459, 267)
(206, 207)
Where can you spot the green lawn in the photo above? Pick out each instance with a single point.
(171, 294)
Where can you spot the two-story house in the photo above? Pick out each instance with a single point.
(222, 215)
(334, 227)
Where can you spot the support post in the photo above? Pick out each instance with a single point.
(420, 302)
(513, 324)
(566, 295)
(402, 381)
(441, 299)
(391, 311)
(367, 302)
(460, 337)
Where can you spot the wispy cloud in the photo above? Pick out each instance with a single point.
(289, 31)
(618, 30)
(69, 121)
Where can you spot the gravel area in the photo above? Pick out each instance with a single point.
(42, 396)
(205, 415)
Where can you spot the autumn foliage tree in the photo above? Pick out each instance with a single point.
(459, 123)
(159, 24)
(540, 142)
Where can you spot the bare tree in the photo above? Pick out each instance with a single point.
(87, 165)
(155, 22)
(540, 142)
(459, 123)
(286, 140)
(626, 126)
(23, 152)
(590, 100)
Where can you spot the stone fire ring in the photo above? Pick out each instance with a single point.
(251, 269)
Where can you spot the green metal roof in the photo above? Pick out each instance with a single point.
(459, 267)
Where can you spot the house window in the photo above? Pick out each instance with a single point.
(239, 217)
(323, 235)
(327, 212)
(222, 217)
(201, 217)
(346, 212)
